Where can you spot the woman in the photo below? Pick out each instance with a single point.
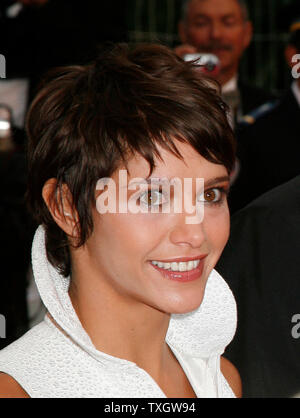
(125, 255)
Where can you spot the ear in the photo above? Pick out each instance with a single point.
(248, 34)
(182, 32)
(60, 204)
(289, 52)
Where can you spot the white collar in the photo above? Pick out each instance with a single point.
(201, 333)
(296, 91)
(231, 85)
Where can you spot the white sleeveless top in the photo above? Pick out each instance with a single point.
(61, 361)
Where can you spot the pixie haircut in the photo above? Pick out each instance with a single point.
(88, 120)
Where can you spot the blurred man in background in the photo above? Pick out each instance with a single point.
(269, 146)
(223, 28)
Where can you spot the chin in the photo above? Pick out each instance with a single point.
(183, 305)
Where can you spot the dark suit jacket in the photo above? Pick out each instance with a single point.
(252, 97)
(268, 152)
(261, 263)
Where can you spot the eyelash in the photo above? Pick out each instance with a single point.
(149, 193)
(222, 190)
(223, 195)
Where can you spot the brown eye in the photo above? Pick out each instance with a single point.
(210, 195)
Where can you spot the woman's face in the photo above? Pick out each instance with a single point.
(160, 259)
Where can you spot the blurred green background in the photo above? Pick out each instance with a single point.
(263, 63)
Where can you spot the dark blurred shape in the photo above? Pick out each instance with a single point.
(35, 36)
(16, 232)
(268, 142)
(58, 32)
(262, 267)
(268, 151)
(289, 15)
(15, 238)
(261, 260)
(68, 31)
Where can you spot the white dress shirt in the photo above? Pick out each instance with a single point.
(296, 91)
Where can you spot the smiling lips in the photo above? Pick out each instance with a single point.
(182, 270)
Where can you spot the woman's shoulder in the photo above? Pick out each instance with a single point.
(10, 388)
(232, 376)
(18, 360)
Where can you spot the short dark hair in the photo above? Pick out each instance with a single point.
(86, 120)
(242, 3)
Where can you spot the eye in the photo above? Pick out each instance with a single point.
(229, 21)
(152, 198)
(200, 23)
(212, 196)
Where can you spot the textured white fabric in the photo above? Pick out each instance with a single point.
(53, 362)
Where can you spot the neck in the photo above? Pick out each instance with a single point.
(121, 327)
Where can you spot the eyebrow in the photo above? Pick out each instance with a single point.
(205, 16)
(208, 183)
(217, 180)
(151, 180)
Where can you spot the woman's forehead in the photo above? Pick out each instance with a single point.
(168, 165)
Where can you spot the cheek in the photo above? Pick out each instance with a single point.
(237, 39)
(198, 36)
(217, 228)
(133, 235)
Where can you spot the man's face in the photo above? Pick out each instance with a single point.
(218, 27)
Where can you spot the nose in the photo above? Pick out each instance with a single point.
(186, 234)
(216, 31)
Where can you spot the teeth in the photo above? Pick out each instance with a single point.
(190, 265)
(196, 263)
(174, 266)
(181, 266)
